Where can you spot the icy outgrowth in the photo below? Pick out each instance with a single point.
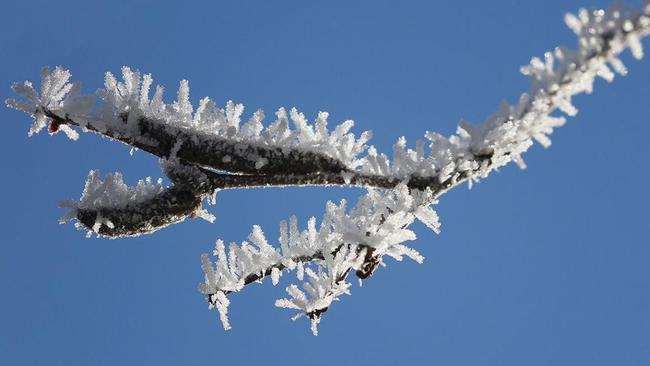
(57, 95)
(323, 286)
(219, 301)
(377, 223)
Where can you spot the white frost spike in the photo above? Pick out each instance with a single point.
(147, 80)
(635, 46)
(618, 66)
(221, 303)
(300, 272)
(398, 251)
(298, 301)
(233, 115)
(275, 275)
(428, 217)
(183, 107)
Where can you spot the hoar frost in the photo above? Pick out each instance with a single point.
(380, 224)
(347, 239)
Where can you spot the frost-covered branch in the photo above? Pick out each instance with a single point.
(346, 240)
(169, 138)
(207, 149)
(472, 154)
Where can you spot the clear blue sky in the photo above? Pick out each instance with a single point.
(548, 266)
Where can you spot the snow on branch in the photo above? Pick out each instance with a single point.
(206, 148)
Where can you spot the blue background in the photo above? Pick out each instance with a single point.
(536, 267)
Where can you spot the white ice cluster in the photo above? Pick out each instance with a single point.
(57, 95)
(110, 193)
(378, 222)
